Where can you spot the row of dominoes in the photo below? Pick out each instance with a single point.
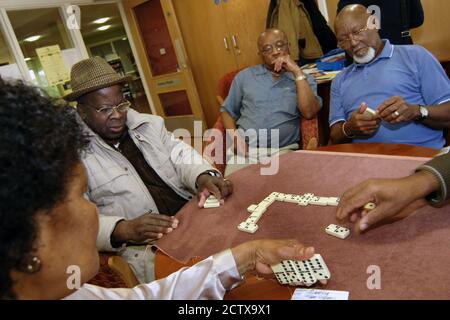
(301, 273)
(257, 210)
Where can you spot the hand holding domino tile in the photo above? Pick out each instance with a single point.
(364, 121)
(302, 273)
(260, 255)
(212, 188)
(395, 200)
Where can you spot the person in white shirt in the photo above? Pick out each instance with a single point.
(49, 227)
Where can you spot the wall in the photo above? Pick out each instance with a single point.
(434, 33)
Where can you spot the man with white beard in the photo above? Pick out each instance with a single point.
(405, 85)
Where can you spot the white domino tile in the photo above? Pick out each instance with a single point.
(337, 231)
(211, 202)
(333, 201)
(257, 210)
(301, 273)
(247, 227)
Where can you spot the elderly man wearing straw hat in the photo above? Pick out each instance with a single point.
(139, 175)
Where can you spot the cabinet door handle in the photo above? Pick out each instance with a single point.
(180, 54)
(225, 43)
(235, 44)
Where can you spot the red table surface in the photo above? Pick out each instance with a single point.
(413, 255)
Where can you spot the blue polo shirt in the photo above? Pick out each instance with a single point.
(256, 101)
(408, 71)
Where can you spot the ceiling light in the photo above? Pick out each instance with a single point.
(103, 28)
(101, 20)
(33, 38)
(27, 59)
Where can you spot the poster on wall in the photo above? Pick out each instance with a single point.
(53, 65)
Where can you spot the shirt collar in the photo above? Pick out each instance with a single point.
(386, 53)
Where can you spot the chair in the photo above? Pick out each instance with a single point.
(308, 132)
(114, 272)
(119, 265)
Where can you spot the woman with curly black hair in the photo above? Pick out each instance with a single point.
(44, 220)
(47, 225)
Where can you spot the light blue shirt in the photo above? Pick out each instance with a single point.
(256, 101)
(408, 71)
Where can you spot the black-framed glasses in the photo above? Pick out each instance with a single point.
(357, 35)
(268, 48)
(109, 110)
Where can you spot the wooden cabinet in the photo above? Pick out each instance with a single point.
(219, 38)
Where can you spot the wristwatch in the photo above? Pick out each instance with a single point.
(213, 173)
(423, 113)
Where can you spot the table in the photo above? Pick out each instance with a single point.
(382, 148)
(402, 250)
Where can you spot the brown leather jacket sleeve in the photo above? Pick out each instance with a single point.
(440, 168)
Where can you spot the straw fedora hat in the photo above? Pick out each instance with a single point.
(92, 74)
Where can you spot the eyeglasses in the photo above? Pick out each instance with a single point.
(109, 110)
(357, 35)
(268, 48)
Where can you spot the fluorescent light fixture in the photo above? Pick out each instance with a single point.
(27, 59)
(124, 38)
(101, 20)
(103, 28)
(33, 38)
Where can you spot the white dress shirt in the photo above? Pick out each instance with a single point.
(208, 279)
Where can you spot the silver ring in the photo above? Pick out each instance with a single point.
(396, 113)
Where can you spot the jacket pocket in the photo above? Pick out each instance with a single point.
(106, 184)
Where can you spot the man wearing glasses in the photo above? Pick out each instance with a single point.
(405, 86)
(139, 175)
(272, 95)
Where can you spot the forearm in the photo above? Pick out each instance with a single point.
(438, 116)
(421, 184)
(120, 233)
(208, 279)
(439, 168)
(307, 101)
(244, 257)
(337, 135)
(228, 121)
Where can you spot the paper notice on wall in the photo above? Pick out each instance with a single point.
(53, 65)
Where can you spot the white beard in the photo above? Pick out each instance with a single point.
(369, 56)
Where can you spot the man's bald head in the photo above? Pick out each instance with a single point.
(352, 12)
(356, 32)
(270, 33)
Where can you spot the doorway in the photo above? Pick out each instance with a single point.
(161, 50)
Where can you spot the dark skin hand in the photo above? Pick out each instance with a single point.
(146, 228)
(361, 123)
(396, 110)
(395, 199)
(209, 185)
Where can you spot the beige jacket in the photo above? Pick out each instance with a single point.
(292, 17)
(118, 191)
